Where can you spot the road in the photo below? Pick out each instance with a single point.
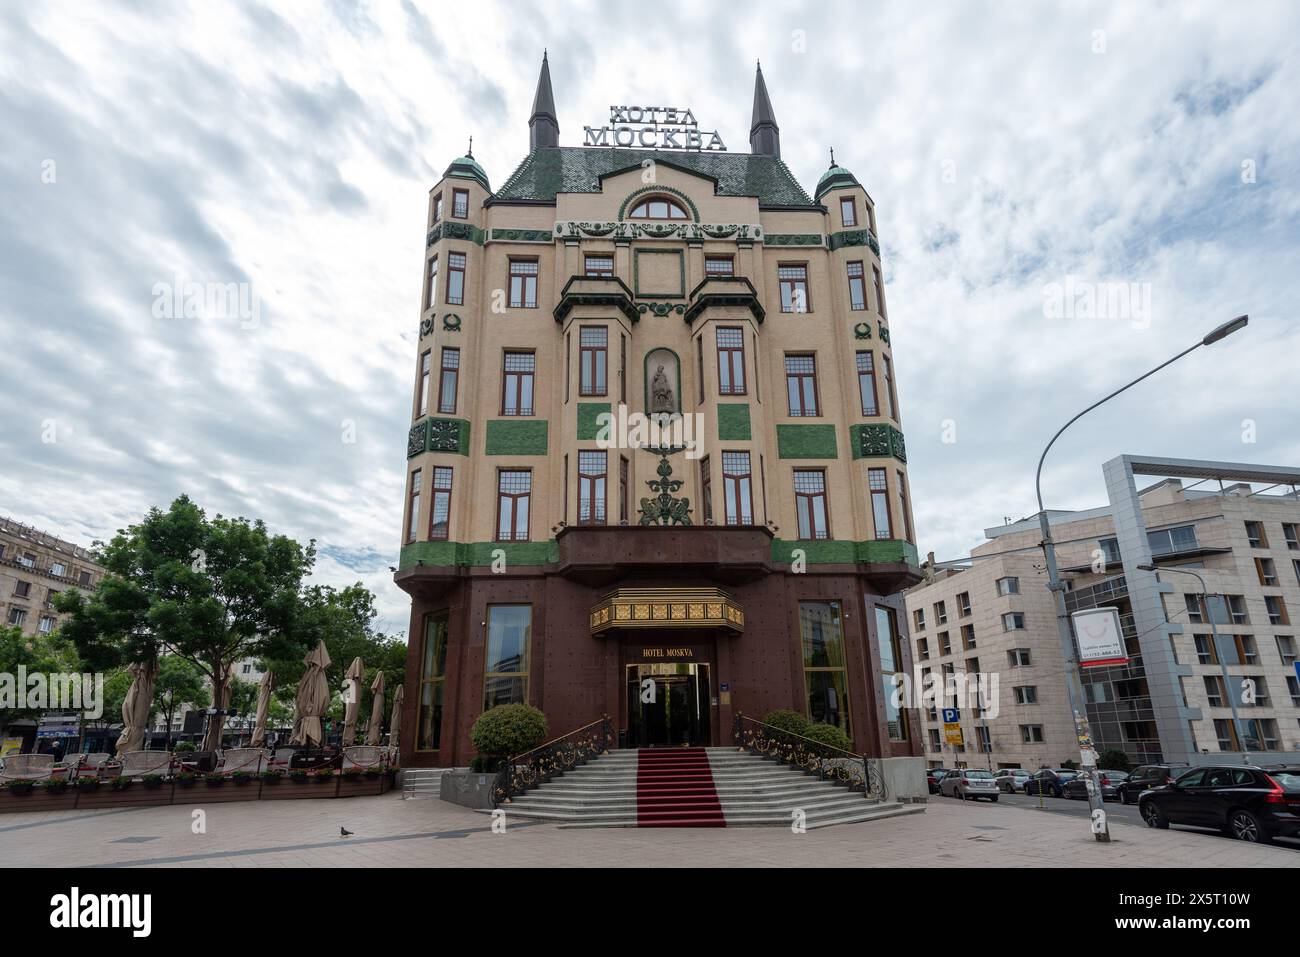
(1125, 814)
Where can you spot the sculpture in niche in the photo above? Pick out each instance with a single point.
(661, 392)
(662, 384)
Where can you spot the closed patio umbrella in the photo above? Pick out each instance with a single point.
(137, 705)
(395, 717)
(376, 727)
(212, 741)
(356, 671)
(264, 688)
(313, 698)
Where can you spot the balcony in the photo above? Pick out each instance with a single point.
(600, 554)
(714, 291)
(595, 291)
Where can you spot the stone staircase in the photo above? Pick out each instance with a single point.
(421, 782)
(751, 790)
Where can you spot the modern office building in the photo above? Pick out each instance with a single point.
(555, 552)
(1236, 526)
(34, 567)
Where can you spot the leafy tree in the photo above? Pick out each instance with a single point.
(212, 591)
(179, 682)
(1113, 759)
(45, 654)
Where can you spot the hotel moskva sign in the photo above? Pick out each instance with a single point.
(653, 128)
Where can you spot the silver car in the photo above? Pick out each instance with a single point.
(967, 784)
(1011, 780)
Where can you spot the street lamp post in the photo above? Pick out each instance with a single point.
(1218, 653)
(1073, 683)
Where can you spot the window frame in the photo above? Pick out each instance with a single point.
(599, 354)
(458, 266)
(526, 281)
(514, 380)
(460, 201)
(448, 373)
(413, 495)
(735, 361)
(736, 483)
(878, 498)
(794, 285)
(514, 498)
(593, 488)
(808, 500)
(851, 205)
(802, 382)
(670, 205)
(440, 496)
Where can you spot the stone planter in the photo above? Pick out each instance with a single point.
(467, 788)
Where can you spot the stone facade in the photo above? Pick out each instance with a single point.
(34, 567)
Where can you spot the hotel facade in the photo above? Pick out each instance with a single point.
(750, 560)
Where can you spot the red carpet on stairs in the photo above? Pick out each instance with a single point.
(674, 788)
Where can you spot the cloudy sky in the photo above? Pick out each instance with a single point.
(1010, 149)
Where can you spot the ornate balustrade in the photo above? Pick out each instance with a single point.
(828, 762)
(523, 771)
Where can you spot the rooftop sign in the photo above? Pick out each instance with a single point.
(653, 128)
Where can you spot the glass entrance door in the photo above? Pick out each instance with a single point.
(668, 705)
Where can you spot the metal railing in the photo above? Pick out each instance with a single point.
(828, 762)
(528, 770)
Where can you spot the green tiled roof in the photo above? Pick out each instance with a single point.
(834, 178)
(576, 169)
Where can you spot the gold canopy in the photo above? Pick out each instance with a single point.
(667, 608)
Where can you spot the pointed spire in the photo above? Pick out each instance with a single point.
(764, 134)
(543, 127)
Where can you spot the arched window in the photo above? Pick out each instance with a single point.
(657, 207)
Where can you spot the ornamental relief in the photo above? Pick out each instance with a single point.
(689, 232)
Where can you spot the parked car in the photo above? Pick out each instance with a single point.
(1146, 777)
(969, 784)
(933, 776)
(1253, 804)
(1012, 780)
(1050, 781)
(1108, 781)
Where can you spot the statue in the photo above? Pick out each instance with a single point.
(661, 393)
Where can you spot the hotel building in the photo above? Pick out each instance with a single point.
(551, 566)
(1236, 526)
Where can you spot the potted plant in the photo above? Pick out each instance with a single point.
(185, 779)
(498, 734)
(184, 747)
(298, 776)
(87, 784)
(20, 788)
(353, 774)
(374, 771)
(214, 780)
(241, 777)
(322, 775)
(152, 781)
(56, 786)
(120, 783)
(272, 776)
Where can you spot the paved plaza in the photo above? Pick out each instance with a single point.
(389, 831)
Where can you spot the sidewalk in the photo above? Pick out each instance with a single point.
(429, 833)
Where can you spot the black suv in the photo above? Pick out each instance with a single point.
(1146, 777)
(1248, 803)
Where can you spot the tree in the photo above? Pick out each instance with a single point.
(179, 682)
(45, 654)
(1113, 759)
(212, 591)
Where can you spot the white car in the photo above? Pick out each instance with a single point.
(1012, 780)
(967, 784)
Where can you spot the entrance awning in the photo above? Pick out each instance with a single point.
(667, 608)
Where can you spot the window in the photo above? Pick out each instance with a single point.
(736, 493)
(50, 595)
(1295, 565)
(568, 348)
(431, 290)
(448, 380)
(941, 613)
(1214, 691)
(1286, 649)
(810, 503)
(888, 365)
(903, 507)
(731, 360)
(857, 287)
(1247, 653)
(1255, 535)
(1026, 694)
(437, 208)
(460, 203)
(825, 675)
(622, 489)
(27, 560)
(758, 385)
(891, 668)
(46, 625)
(986, 738)
(1206, 652)
(1276, 609)
(514, 489)
(848, 212)
(719, 266)
(867, 383)
(1031, 733)
(963, 604)
(84, 579)
(880, 292)
(1195, 613)
(22, 589)
(878, 486)
(1013, 621)
(936, 743)
(622, 368)
(871, 218)
(413, 507)
(1291, 532)
(17, 616)
(793, 278)
(706, 490)
(517, 389)
(600, 266)
(440, 513)
(58, 569)
(945, 643)
(1257, 685)
(1267, 572)
(923, 649)
(918, 616)
(455, 279)
(657, 207)
(433, 668)
(968, 637)
(1109, 548)
(422, 391)
(699, 366)
(523, 284)
(591, 487)
(592, 347)
(801, 384)
(1167, 541)
(1008, 586)
(509, 635)
(1293, 689)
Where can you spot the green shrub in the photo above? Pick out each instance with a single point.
(829, 734)
(184, 747)
(1113, 760)
(508, 730)
(786, 720)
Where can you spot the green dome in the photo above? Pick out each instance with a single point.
(467, 167)
(834, 178)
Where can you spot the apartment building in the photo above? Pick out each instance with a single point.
(34, 567)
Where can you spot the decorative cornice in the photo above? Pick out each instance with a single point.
(449, 229)
(596, 291)
(521, 236)
(724, 291)
(854, 237)
(795, 239)
(628, 231)
(660, 309)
